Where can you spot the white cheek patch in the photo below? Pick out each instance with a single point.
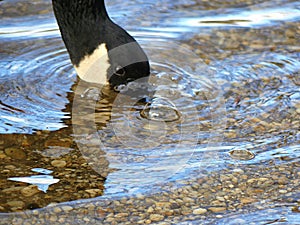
(93, 68)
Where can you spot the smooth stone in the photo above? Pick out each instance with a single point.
(199, 211)
(53, 218)
(59, 163)
(242, 154)
(238, 171)
(66, 208)
(163, 204)
(94, 192)
(2, 155)
(188, 200)
(217, 209)
(12, 189)
(121, 215)
(16, 204)
(150, 210)
(247, 200)
(283, 191)
(15, 153)
(221, 199)
(156, 217)
(61, 143)
(57, 210)
(10, 167)
(30, 191)
(283, 181)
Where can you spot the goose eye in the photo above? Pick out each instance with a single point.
(120, 71)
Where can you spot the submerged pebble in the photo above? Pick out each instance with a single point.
(156, 217)
(94, 192)
(217, 209)
(16, 204)
(241, 154)
(67, 208)
(199, 211)
(59, 163)
(30, 191)
(15, 153)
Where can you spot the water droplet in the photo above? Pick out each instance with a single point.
(160, 109)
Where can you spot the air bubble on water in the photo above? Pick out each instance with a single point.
(160, 109)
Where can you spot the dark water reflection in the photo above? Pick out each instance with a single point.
(229, 68)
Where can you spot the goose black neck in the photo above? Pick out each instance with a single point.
(81, 24)
(80, 8)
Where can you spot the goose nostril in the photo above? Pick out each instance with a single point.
(121, 88)
(120, 71)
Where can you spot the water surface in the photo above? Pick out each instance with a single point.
(225, 72)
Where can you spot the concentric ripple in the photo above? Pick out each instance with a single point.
(34, 82)
(149, 143)
(226, 121)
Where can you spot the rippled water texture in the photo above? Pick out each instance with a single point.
(216, 126)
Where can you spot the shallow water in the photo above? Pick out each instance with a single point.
(225, 78)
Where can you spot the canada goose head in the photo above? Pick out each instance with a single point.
(100, 50)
